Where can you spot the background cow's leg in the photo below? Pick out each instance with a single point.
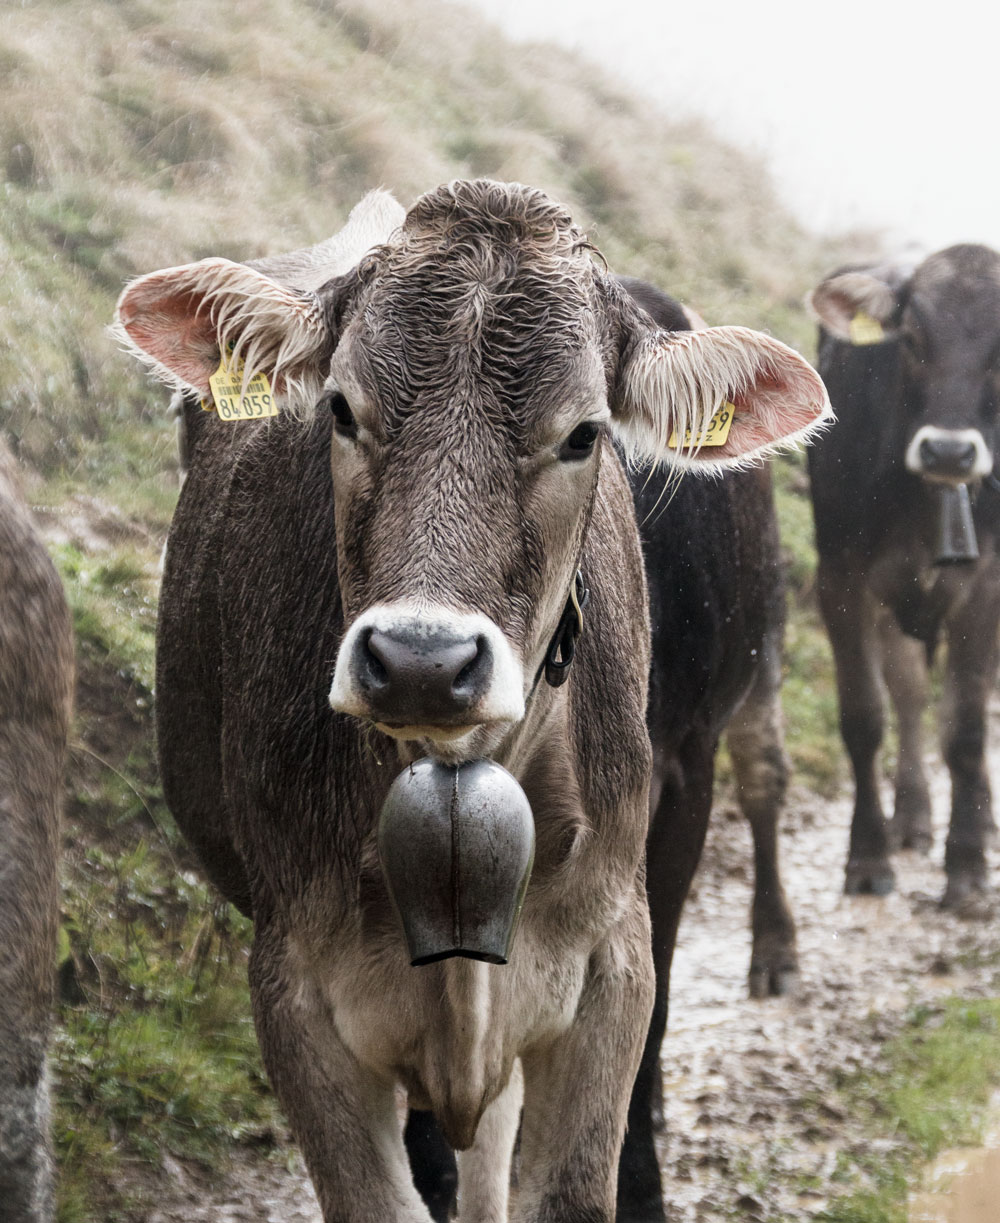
(756, 745)
(484, 1170)
(682, 788)
(343, 1117)
(850, 616)
(904, 668)
(432, 1162)
(576, 1088)
(971, 668)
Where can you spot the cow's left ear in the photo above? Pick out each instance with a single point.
(180, 319)
(713, 399)
(861, 305)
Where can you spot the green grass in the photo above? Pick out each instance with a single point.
(930, 1092)
(156, 1052)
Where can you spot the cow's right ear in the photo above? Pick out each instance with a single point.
(180, 319)
(860, 306)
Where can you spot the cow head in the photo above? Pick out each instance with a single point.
(471, 368)
(944, 318)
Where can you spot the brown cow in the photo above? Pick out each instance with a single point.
(474, 366)
(36, 682)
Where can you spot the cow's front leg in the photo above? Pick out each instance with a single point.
(576, 1089)
(343, 1115)
(849, 613)
(484, 1170)
(757, 748)
(904, 667)
(972, 665)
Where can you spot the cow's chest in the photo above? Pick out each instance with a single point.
(450, 1032)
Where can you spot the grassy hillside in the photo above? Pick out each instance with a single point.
(135, 135)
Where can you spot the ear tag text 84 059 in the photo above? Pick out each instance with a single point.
(233, 400)
(866, 330)
(714, 434)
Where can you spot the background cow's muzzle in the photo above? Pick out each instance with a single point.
(948, 456)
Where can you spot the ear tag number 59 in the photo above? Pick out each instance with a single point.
(714, 434)
(233, 401)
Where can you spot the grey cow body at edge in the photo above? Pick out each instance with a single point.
(476, 363)
(36, 681)
(917, 413)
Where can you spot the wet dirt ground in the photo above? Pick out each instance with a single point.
(753, 1123)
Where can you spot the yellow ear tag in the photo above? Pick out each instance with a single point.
(866, 330)
(233, 401)
(714, 435)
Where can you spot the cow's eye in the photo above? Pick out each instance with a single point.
(343, 418)
(581, 441)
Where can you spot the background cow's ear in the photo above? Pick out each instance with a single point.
(179, 320)
(861, 306)
(679, 392)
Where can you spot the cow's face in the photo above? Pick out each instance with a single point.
(470, 369)
(945, 320)
(468, 399)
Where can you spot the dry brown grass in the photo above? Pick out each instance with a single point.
(137, 134)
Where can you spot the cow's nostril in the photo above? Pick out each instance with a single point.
(471, 674)
(373, 670)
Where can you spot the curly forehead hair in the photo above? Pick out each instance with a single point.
(484, 229)
(487, 282)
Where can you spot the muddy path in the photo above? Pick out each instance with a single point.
(749, 1086)
(750, 1103)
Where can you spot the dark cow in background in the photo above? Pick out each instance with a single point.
(36, 681)
(717, 610)
(907, 510)
(418, 538)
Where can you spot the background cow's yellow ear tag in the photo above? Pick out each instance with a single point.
(233, 401)
(866, 330)
(714, 435)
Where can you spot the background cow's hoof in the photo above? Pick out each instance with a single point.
(964, 892)
(773, 980)
(869, 878)
(907, 830)
(921, 842)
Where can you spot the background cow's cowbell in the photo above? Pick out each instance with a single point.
(956, 539)
(457, 846)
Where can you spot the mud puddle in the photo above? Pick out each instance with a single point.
(962, 1186)
(970, 1191)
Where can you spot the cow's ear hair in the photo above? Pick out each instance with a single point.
(860, 305)
(179, 320)
(671, 385)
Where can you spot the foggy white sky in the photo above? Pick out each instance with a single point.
(876, 114)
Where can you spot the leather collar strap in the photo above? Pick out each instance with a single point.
(562, 647)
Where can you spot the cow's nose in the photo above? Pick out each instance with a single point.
(947, 456)
(421, 678)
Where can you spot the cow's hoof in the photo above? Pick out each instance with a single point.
(869, 879)
(773, 981)
(920, 842)
(964, 891)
